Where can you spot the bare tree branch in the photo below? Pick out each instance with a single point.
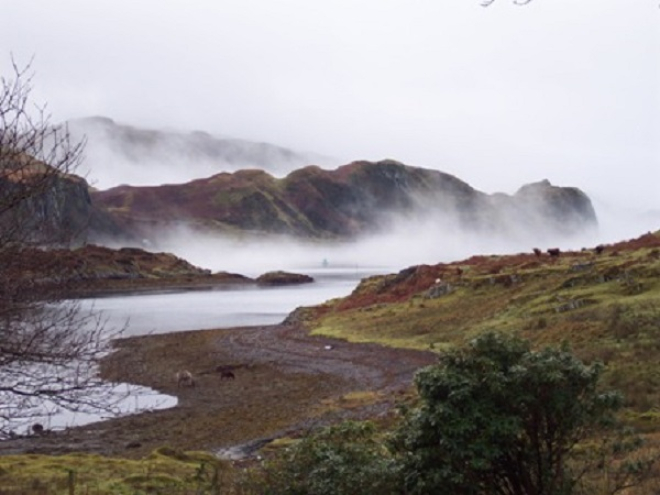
(49, 348)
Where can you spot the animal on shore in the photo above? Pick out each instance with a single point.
(537, 252)
(227, 375)
(554, 252)
(226, 372)
(184, 378)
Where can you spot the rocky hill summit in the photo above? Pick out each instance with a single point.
(359, 198)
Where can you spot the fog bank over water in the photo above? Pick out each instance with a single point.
(408, 242)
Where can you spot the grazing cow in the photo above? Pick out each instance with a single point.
(38, 429)
(537, 252)
(184, 378)
(227, 375)
(554, 251)
(599, 249)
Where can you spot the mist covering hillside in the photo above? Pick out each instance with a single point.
(123, 154)
(202, 197)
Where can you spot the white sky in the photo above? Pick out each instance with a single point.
(567, 90)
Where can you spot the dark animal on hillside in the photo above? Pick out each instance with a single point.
(599, 249)
(38, 429)
(537, 252)
(554, 251)
(184, 378)
(227, 374)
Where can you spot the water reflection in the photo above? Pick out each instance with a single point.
(221, 308)
(121, 399)
(164, 312)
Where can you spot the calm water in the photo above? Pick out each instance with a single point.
(221, 308)
(164, 312)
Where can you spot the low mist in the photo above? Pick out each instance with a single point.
(121, 154)
(407, 242)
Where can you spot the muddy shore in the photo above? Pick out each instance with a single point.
(285, 382)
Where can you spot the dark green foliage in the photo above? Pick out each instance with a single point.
(339, 460)
(498, 418)
(494, 418)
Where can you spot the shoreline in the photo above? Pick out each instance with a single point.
(159, 288)
(285, 382)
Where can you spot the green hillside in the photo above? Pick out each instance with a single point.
(607, 306)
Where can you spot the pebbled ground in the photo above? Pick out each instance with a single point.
(285, 382)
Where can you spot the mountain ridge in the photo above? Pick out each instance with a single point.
(359, 198)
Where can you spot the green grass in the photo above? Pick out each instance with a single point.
(606, 307)
(164, 471)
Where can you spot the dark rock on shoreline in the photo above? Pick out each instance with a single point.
(279, 278)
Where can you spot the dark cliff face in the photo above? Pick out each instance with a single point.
(54, 209)
(362, 197)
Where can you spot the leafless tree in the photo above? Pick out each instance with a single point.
(49, 348)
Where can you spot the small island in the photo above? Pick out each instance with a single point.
(279, 278)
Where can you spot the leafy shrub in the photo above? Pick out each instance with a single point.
(340, 460)
(497, 417)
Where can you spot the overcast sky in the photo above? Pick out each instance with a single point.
(567, 90)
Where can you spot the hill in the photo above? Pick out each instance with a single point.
(604, 302)
(355, 199)
(93, 270)
(123, 154)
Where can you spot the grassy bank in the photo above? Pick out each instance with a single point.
(607, 306)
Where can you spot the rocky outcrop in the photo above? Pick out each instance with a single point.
(280, 278)
(540, 205)
(43, 206)
(355, 199)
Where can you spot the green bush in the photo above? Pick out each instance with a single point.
(499, 418)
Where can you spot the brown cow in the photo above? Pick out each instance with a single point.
(227, 374)
(554, 251)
